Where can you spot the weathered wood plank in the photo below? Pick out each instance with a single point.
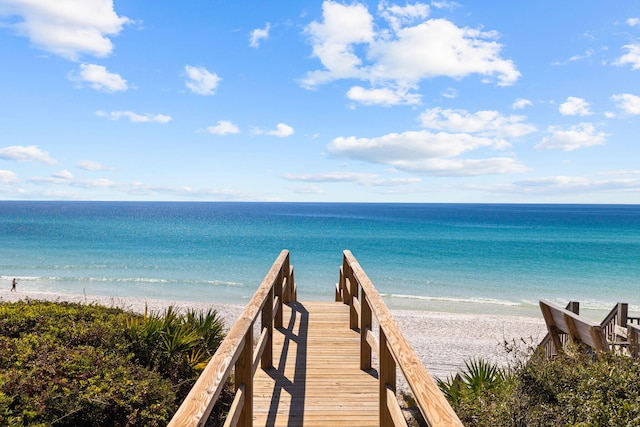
(316, 379)
(433, 405)
(580, 330)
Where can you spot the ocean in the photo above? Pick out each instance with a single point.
(459, 258)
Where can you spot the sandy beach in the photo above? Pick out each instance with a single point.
(443, 341)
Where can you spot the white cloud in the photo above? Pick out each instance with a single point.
(135, 117)
(67, 28)
(306, 190)
(259, 34)
(632, 57)
(382, 96)
(483, 123)
(426, 152)
(628, 103)
(399, 16)
(334, 41)
(99, 78)
(574, 184)
(632, 22)
(521, 103)
(579, 136)
(351, 46)
(63, 174)
(90, 165)
(575, 107)
(61, 177)
(223, 127)
(282, 130)
(366, 179)
(201, 81)
(8, 177)
(30, 153)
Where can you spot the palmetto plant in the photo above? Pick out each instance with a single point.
(477, 377)
(175, 344)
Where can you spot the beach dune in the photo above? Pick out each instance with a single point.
(443, 341)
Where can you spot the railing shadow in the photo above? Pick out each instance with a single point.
(296, 387)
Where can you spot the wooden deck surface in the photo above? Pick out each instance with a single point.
(316, 379)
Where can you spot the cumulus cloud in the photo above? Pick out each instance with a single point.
(350, 44)
(632, 57)
(8, 177)
(135, 117)
(201, 81)
(29, 153)
(67, 28)
(485, 123)
(282, 130)
(61, 177)
(574, 184)
(259, 34)
(99, 78)
(382, 96)
(426, 152)
(223, 127)
(573, 138)
(628, 103)
(355, 177)
(575, 107)
(90, 165)
(521, 103)
(632, 22)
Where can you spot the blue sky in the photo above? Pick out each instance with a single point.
(442, 101)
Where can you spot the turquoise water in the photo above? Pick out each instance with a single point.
(446, 257)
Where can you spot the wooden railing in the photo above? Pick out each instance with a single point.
(392, 350)
(633, 335)
(580, 330)
(237, 354)
(547, 346)
(613, 328)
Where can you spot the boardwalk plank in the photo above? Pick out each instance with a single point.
(316, 379)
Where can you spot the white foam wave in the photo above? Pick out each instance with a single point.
(457, 300)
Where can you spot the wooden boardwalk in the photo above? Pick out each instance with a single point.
(314, 364)
(316, 378)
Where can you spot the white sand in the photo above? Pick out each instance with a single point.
(443, 341)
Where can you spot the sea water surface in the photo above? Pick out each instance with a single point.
(469, 258)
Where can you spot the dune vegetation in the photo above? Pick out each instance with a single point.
(574, 389)
(67, 364)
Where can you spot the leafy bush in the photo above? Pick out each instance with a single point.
(64, 364)
(175, 345)
(575, 389)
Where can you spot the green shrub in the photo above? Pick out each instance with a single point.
(64, 364)
(575, 389)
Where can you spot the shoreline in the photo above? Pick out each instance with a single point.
(443, 341)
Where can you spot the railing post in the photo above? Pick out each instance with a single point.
(365, 327)
(353, 290)
(343, 281)
(286, 279)
(277, 321)
(292, 284)
(266, 360)
(387, 380)
(623, 312)
(574, 307)
(244, 376)
(339, 286)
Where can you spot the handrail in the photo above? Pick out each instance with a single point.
(237, 351)
(547, 346)
(616, 317)
(633, 333)
(357, 290)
